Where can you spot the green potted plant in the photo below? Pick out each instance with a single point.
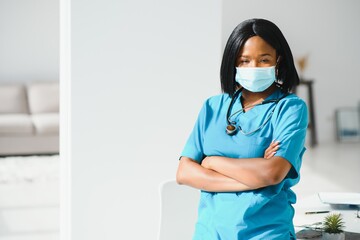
(333, 226)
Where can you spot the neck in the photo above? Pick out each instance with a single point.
(250, 98)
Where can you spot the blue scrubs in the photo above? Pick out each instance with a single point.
(265, 213)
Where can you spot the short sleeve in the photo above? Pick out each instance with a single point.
(194, 146)
(290, 129)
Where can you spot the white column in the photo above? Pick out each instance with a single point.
(140, 71)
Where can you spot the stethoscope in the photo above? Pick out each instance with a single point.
(231, 128)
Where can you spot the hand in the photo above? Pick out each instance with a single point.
(271, 150)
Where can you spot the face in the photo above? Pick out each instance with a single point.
(256, 53)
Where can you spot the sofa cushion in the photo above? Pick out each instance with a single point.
(16, 124)
(46, 123)
(43, 97)
(13, 99)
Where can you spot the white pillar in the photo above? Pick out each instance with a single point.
(135, 77)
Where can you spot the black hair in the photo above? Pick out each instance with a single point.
(287, 77)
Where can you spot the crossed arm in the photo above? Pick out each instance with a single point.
(223, 174)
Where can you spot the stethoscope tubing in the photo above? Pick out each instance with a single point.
(232, 124)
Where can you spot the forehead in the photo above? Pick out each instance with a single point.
(256, 46)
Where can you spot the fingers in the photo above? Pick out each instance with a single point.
(270, 155)
(274, 143)
(271, 150)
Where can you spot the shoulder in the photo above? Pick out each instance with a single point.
(291, 102)
(291, 107)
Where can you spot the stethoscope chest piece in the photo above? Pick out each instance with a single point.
(231, 129)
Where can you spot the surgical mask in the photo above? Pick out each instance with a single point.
(255, 79)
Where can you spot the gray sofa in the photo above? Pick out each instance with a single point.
(29, 118)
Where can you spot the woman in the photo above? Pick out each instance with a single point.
(246, 148)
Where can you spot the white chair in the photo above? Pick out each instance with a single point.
(178, 215)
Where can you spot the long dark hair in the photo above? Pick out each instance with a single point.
(287, 77)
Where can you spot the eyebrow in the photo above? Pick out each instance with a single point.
(261, 55)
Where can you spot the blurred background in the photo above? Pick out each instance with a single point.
(140, 71)
(29, 119)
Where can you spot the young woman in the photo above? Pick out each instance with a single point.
(246, 148)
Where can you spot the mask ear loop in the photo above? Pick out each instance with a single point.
(277, 81)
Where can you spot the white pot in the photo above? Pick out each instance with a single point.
(333, 236)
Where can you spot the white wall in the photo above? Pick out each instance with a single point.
(29, 42)
(140, 73)
(328, 31)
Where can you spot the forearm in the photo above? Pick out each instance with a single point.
(193, 174)
(253, 172)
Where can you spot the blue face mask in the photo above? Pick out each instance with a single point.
(255, 79)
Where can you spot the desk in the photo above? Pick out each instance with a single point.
(313, 203)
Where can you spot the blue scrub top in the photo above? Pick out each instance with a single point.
(264, 213)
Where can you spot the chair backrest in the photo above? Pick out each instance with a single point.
(179, 204)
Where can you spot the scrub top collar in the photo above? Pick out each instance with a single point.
(274, 95)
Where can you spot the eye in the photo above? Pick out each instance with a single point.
(265, 60)
(244, 61)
